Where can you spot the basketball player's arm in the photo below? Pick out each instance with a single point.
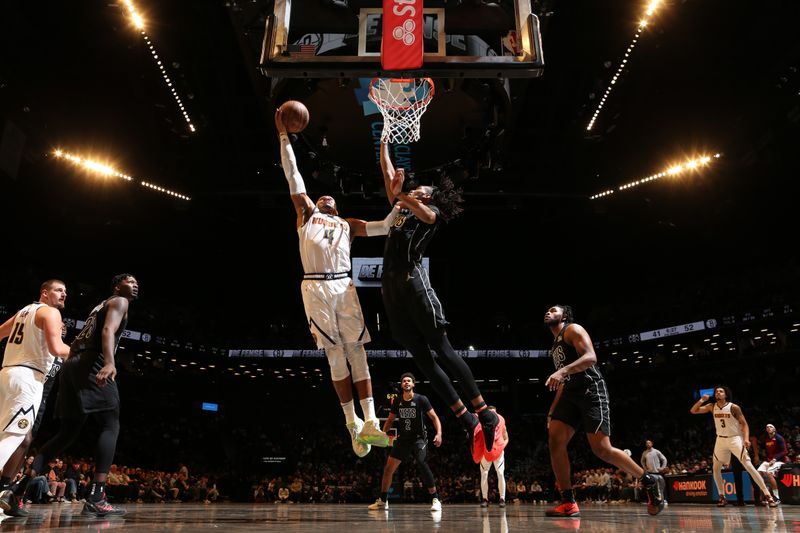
(303, 205)
(437, 425)
(390, 177)
(698, 408)
(115, 312)
(577, 337)
(49, 320)
(388, 424)
(420, 210)
(5, 329)
(362, 228)
(737, 413)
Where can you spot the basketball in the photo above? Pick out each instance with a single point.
(294, 115)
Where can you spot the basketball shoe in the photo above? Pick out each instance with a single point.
(372, 434)
(359, 448)
(565, 509)
(379, 505)
(654, 488)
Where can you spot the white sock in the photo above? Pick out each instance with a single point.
(368, 408)
(349, 412)
(776, 494)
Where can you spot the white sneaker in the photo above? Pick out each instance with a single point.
(379, 505)
(436, 505)
(359, 448)
(372, 434)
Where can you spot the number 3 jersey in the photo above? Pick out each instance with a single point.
(410, 416)
(727, 425)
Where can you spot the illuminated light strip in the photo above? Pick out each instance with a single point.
(692, 164)
(138, 22)
(651, 8)
(105, 170)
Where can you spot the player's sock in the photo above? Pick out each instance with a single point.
(368, 408)
(98, 491)
(384, 496)
(5, 483)
(567, 496)
(349, 412)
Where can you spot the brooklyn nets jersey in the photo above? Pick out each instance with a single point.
(90, 339)
(727, 425)
(26, 344)
(324, 244)
(563, 354)
(407, 241)
(409, 414)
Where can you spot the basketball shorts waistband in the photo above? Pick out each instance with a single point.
(326, 276)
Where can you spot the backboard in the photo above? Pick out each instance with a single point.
(342, 39)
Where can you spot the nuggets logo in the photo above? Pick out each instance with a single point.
(22, 424)
(400, 220)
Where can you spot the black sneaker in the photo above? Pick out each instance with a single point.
(502, 503)
(101, 508)
(484, 503)
(489, 421)
(654, 486)
(11, 505)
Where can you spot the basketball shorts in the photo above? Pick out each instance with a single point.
(334, 312)
(589, 407)
(20, 396)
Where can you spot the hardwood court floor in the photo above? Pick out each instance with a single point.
(231, 517)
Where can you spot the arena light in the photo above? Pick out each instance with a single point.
(651, 9)
(672, 171)
(138, 21)
(104, 169)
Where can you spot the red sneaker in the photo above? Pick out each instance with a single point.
(566, 509)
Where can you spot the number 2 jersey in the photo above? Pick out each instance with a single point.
(410, 416)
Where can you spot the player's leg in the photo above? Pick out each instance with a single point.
(558, 436)
(485, 466)
(500, 470)
(737, 447)
(96, 502)
(353, 334)
(428, 481)
(389, 469)
(722, 456)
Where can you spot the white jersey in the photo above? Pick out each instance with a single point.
(727, 425)
(324, 244)
(26, 345)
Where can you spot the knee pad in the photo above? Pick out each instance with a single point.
(357, 357)
(337, 362)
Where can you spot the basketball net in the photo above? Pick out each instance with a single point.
(402, 102)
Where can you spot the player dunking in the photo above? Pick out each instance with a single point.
(733, 437)
(330, 299)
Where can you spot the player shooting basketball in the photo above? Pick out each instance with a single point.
(329, 296)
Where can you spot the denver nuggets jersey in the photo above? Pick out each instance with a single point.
(727, 425)
(324, 244)
(26, 344)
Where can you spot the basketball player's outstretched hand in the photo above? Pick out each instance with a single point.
(107, 373)
(279, 125)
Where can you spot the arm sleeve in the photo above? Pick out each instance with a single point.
(296, 184)
(381, 227)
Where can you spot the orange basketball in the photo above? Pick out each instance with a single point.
(294, 115)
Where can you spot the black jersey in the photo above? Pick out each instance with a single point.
(563, 354)
(411, 417)
(407, 240)
(90, 339)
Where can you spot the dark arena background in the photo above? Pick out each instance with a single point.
(634, 162)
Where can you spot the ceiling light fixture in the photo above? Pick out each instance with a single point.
(651, 8)
(106, 170)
